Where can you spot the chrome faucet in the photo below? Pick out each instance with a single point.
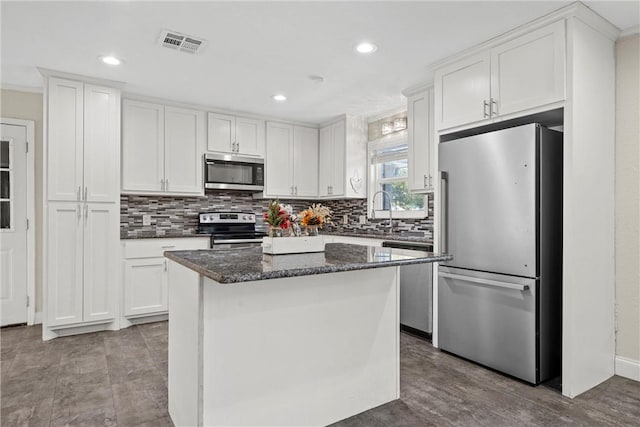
(373, 207)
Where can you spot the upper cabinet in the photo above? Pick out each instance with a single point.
(343, 159)
(291, 161)
(162, 149)
(83, 141)
(519, 75)
(236, 135)
(421, 150)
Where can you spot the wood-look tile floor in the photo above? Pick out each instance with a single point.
(120, 379)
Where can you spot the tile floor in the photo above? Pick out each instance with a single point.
(119, 379)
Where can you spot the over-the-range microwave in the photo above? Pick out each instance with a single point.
(231, 172)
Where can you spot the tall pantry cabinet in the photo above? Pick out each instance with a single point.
(82, 204)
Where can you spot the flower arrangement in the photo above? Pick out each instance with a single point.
(315, 215)
(278, 215)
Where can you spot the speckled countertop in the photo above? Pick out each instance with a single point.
(246, 265)
(398, 237)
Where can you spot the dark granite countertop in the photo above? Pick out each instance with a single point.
(398, 237)
(164, 236)
(246, 265)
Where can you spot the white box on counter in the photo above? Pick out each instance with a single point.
(292, 245)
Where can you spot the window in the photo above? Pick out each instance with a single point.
(390, 173)
(6, 172)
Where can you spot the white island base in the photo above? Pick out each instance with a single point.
(298, 351)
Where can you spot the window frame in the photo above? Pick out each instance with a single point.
(375, 182)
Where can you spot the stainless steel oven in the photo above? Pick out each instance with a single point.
(231, 172)
(230, 230)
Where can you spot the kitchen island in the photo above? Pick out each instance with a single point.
(306, 339)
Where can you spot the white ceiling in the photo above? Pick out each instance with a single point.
(256, 49)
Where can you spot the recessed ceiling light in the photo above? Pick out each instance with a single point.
(366, 47)
(279, 97)
(110, 60)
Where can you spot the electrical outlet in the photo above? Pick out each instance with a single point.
(345, 219)
(146, 219)
(160, 232)
(363, 219)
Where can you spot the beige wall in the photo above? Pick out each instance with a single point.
(628, 197)
(28, 106)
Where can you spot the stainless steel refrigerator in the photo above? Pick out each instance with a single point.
(500, 298)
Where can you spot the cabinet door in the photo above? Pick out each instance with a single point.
(305, 161)
(63, 285)
(100, 229)
(249, 137)
(222, 133)
(339, 150)
(278, 160)
(101, 144)
(64, 143)
(461, 91)
(419, 111)
(145, 286)
(529, 71)
(183, 144)
(142, 147)
(325, 161)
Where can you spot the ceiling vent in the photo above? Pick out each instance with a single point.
(178, 41)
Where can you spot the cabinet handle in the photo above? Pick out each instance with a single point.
(491, 110)
(237, 147)
(162, 184)
(78, 211)
(166, 185)
(165, 265)
(430, 184)
(85, 194)
(86, 214)
(424, 183)
(485, 105)
(296, 192)
(79, 192)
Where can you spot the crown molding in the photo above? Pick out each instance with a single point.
(20, 88)
(47, 73)
(630, 31)
(417, 88)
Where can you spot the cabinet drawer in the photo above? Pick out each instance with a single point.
(151, 248)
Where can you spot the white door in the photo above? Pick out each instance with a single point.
(463, 91)
(339, 152)
(63, 282)
(142, 146)
(249, 136)
(325, 161)
(145, 286)
(529, 71)
(305, 161)
(419, 141)
(65, 140)
(222, 133)
(100, 229)
(101, 144)
(278, 160)
(13, 230)
(184, 132)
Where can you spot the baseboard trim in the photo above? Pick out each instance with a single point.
(38, 318)
(628, 368)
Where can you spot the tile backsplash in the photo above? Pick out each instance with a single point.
(177, 216)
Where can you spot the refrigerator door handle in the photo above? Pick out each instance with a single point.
(444, 199)
(494, 283)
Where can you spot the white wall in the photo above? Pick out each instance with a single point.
(28, 106)
(627, 219)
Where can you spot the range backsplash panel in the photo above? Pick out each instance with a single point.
(178, 216)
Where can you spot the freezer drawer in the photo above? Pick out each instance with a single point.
(490, 319)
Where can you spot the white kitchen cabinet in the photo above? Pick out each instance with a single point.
(142, 146)
(184, 135)
(145, 273)
(162, 149)
(420, 141)
(516, 76)
(291, 161)
(235, 135)
(343, 159)
(83, 141)
(82, 262)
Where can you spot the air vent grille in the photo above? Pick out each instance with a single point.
(182, 42)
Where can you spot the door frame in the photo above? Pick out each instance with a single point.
(31, 214)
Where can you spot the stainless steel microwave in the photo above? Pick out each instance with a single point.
(231, 172)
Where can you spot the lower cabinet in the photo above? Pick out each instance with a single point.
(81, 263)
(145, 273)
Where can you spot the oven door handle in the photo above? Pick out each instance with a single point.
(227, 241)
